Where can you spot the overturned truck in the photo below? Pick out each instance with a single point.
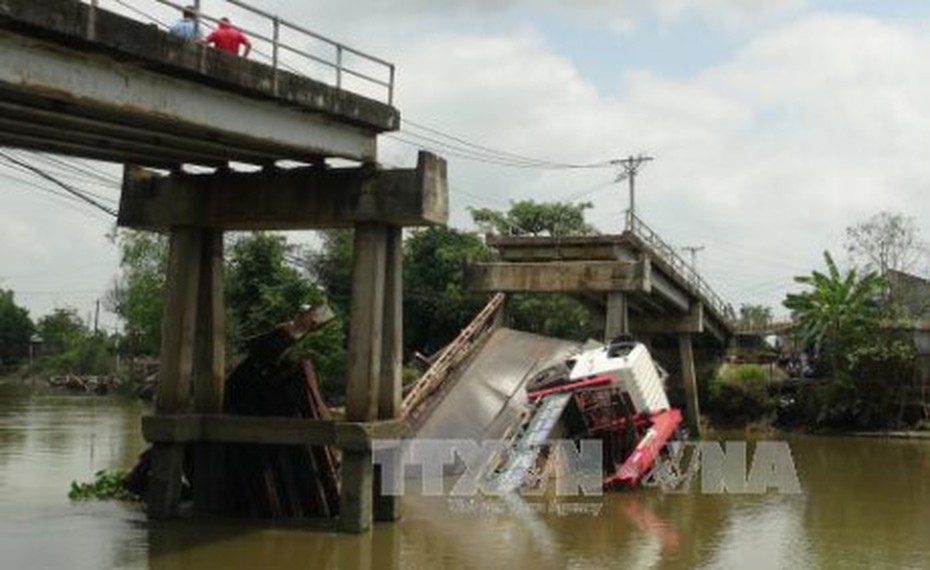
(525, 390)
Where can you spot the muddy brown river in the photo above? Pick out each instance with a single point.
(865, 503)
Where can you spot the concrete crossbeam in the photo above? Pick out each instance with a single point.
(691, 322)
(302, 198)
(563, 277)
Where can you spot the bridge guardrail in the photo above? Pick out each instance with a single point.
(451, 356)
(299, 59)
(669, 255)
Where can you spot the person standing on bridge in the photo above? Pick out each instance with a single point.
(229, 39)
(187, 27)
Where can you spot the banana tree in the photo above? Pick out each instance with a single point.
(838, 310)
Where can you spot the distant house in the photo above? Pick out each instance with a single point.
(911, 294)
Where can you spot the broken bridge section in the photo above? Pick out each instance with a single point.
(636, 281)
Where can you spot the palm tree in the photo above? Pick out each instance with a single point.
(838, 310)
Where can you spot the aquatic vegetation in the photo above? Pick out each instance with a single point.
(106, 486)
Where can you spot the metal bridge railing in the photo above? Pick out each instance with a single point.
(370, 71)
(670, 255)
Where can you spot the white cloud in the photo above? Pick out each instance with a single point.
(813, 124)
(808, 128)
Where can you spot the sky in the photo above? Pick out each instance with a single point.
(775, 125)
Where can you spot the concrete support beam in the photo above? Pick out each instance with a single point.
(179, 321)
(209, 370)
(559, 277)
(212, 428)
(689, 380)
(618, 317)
(390, 393)
(210, 349)
(670, 293)
(690, 323)
(174, 376)
(363, 380)
(302, 198)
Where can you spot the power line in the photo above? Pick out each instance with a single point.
(66, 187)
(77, 167)
(501, 153)
(110, 200)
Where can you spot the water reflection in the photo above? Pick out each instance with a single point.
(865, 503)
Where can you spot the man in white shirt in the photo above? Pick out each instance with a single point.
(187, 27)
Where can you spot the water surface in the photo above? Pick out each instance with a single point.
(865, 504)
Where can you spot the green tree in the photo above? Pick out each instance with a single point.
(436, 303)
(838, 311)
(62, 330)
(755, 317)
(15, 330)
(526, 217)
(263, 290)
(559, 316)
(872, 365)
(137, 296)
(331, 266)
(553, 315)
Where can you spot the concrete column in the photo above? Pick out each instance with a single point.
(689, 381)
(209, 370)
(617, 316)
(390, 396)
(366, 350)
(176, 365)
(210, 353)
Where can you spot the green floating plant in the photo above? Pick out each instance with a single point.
(106, 486)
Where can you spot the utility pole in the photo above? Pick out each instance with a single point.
(631, 166)
(97, 318)
(693, 250)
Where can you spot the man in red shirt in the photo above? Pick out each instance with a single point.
(229, 39)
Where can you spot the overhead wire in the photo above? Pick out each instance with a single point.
(107, 199)
(500, 154)
(73, 164)
(64, 186)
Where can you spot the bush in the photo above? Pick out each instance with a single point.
(740, 395)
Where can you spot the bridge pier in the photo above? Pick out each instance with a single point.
(86, 82)
(689, 382)
(189, 417)
(618, 317)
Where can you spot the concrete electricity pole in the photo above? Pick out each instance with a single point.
(693, 250)
(631, 166)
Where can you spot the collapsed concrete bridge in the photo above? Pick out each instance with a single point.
(635, 280)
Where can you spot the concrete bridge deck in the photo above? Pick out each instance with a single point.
(89, 83)
(645, 288)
